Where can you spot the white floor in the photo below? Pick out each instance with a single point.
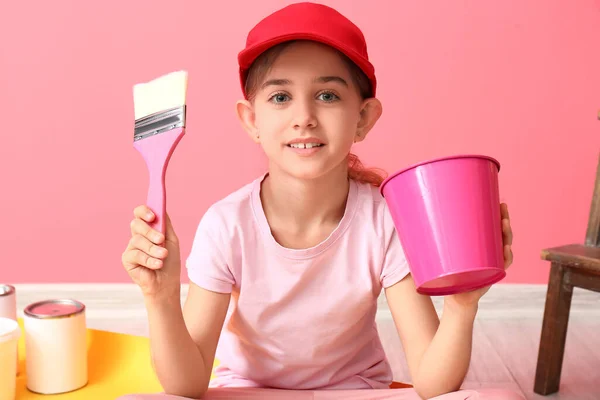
(506, 337)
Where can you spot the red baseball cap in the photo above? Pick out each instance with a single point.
(307, 21)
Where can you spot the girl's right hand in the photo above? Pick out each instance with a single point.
(151, 260)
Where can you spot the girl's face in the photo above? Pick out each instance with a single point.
(307, 112)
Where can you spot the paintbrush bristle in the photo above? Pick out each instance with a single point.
(163, 93)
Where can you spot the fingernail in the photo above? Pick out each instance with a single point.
(149, 215)
(156, 263)
(158, 238)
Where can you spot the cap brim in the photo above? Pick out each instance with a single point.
(247, 56)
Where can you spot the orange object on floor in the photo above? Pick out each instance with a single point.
(118, 364)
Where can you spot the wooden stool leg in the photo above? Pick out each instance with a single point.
(554, 332)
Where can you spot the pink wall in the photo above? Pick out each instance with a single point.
(516, 80)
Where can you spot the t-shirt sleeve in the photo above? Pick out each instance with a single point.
(395, 266)
(207, 264)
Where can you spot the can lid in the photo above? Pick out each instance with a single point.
(59, 308)
(6, 290)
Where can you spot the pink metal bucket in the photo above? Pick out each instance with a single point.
(447, 215)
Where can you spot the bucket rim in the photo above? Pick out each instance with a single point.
(418, 164)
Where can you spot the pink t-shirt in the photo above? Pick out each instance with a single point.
(299, 319)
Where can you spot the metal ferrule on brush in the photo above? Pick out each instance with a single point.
(159, 122)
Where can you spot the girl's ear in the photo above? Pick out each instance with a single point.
(246, 116)
(371, 110)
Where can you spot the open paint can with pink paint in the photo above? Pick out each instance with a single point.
(56, 346)
(447, 215)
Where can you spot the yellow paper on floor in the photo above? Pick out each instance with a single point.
(118, 364)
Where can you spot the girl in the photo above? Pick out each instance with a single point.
(285, 272)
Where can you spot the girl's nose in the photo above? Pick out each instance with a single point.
(304, 116)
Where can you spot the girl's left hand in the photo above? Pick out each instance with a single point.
(470, 299)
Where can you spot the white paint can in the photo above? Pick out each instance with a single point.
(9, 337)
(56, 346)
(8, 308)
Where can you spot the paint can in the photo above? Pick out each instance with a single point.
(9, 339)
(8, 308)
(56, 346)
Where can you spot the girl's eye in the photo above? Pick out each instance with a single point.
(279, 98)
(328, 97)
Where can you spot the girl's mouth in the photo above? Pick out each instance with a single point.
(305, 145)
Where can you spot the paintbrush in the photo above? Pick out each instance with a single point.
(160, 112)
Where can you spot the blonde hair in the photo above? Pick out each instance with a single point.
(259, 69)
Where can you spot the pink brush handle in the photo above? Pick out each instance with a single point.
(157, 151)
